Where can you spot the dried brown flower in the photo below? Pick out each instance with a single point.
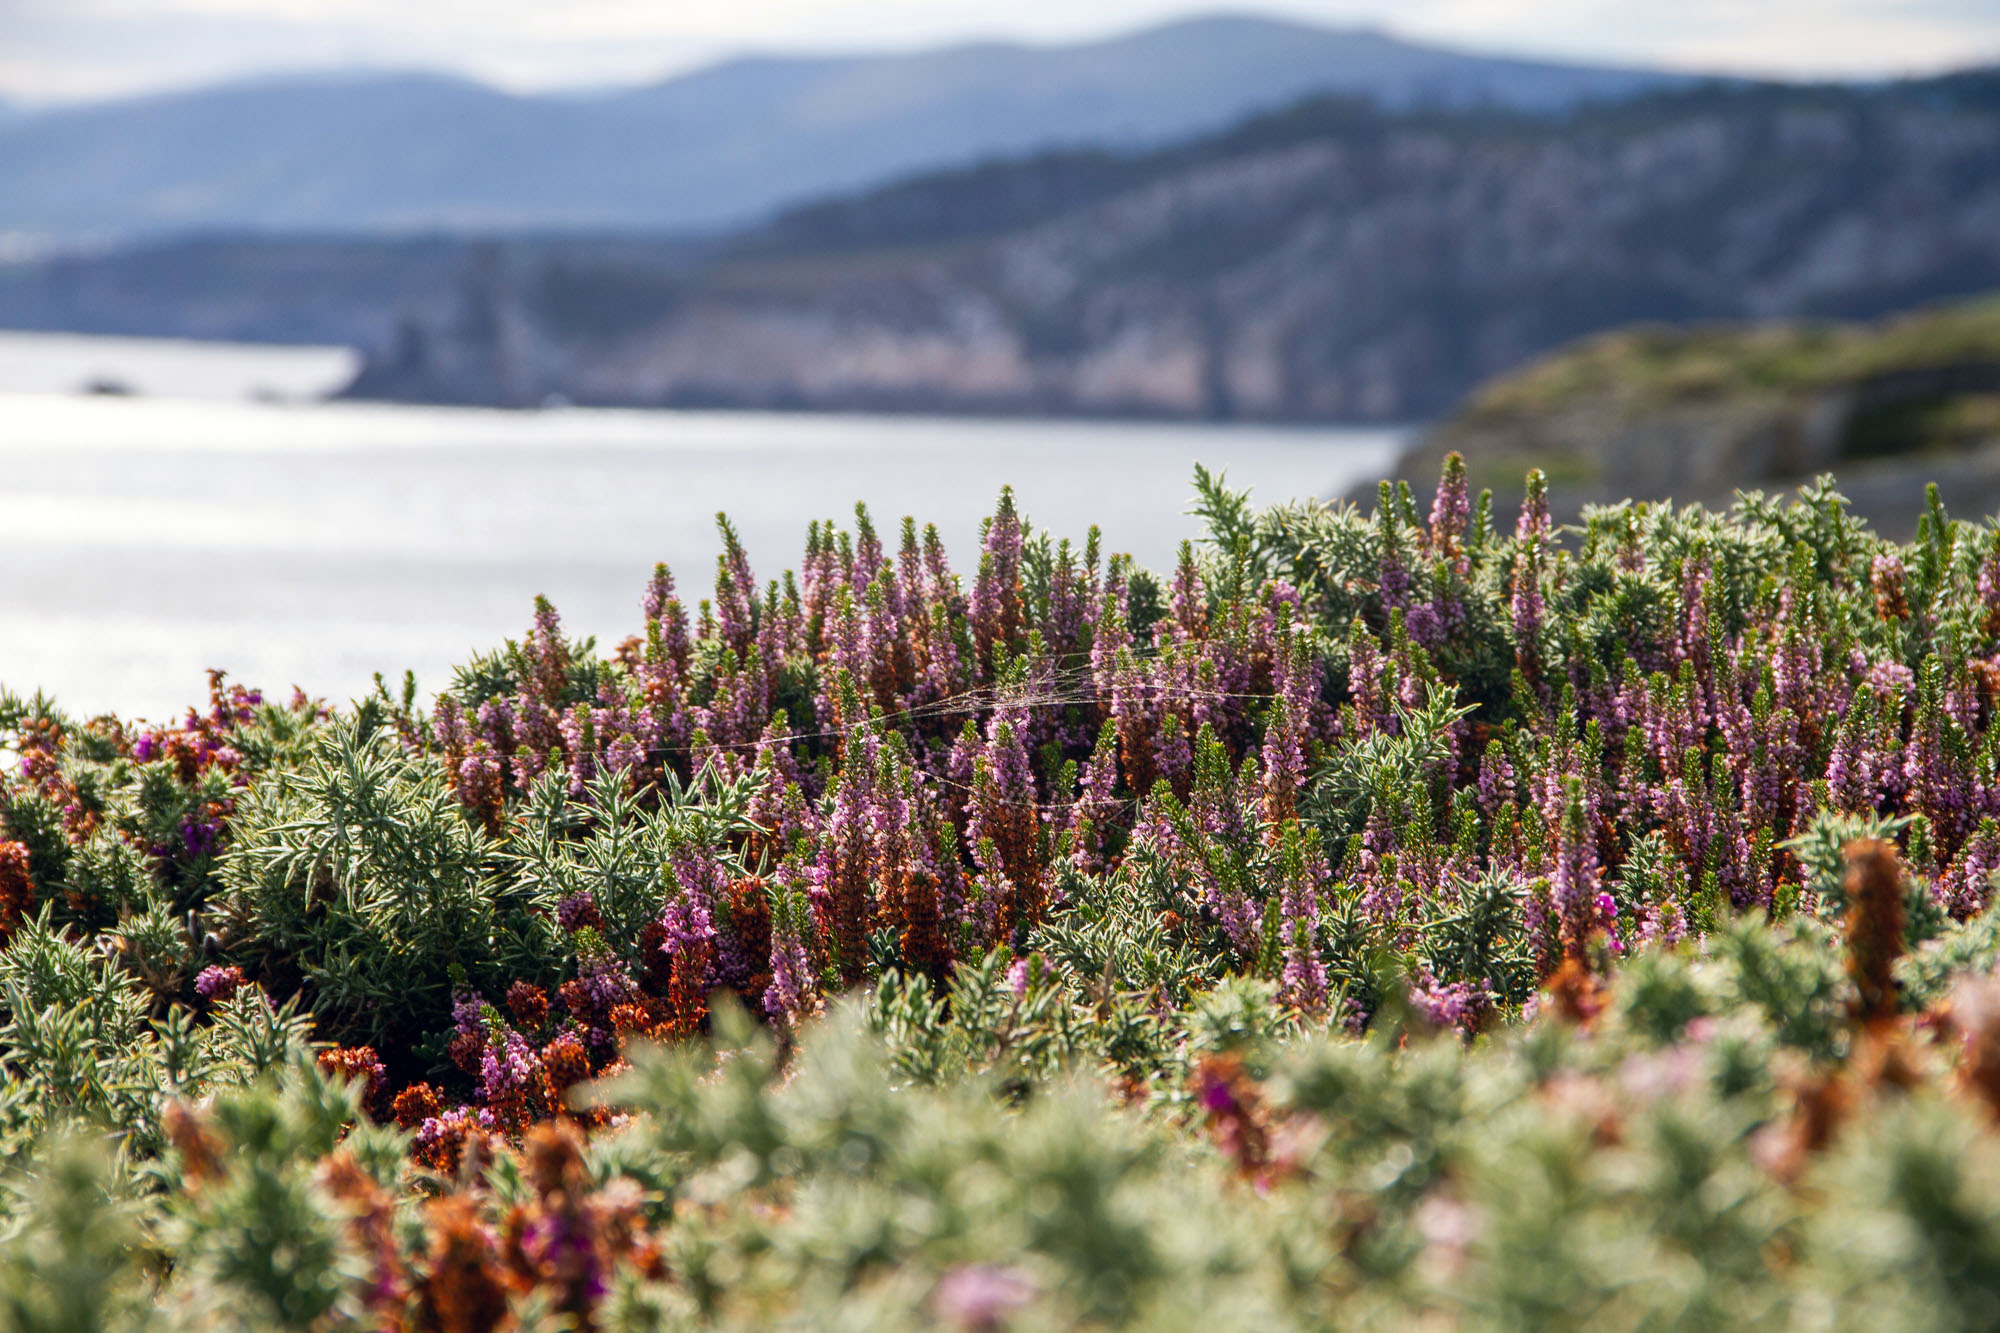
(529, 1005)
(461, 1290)
(201, 1149)
(1874, 927)
(416, 1104)
(17, 888)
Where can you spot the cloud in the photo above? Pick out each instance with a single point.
(1796, 38)
(59, 49)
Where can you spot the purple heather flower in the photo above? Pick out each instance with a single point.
(1003, 813)
(735, 593)
(1542, 928)
(1495, 786)
(506, 1069)
(1887, 575)
(1069, 604)
(561, 1242)
(1662, 924)
(1462, 1005)
(549, 655)
(479, 772)
(1607, 917)
(1525, 604)
(687, 924)
(199, 836)
(218, 984)
(1969, 886)
(1892, 681)
(1451, 507)
(1187, 603)
(1284, 759)
(988, 889)
(1393, 578)
(1575, 888)
(448, 725)
(868, 553)
(981, 1297)
(1533, 524)
(604, 982)
(995, 610)
(659, 592)
(440, 1130)
(790, 992)
(1096, 804)
(577, 911)
(1426, 626)
(1365, 672)
(1299, 905)
(496, 725)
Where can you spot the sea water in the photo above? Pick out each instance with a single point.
(146, 537)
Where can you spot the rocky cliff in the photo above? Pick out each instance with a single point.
(1333, 263)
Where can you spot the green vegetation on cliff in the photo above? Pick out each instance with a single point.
(1695, 413)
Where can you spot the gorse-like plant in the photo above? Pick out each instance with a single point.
(359, 871)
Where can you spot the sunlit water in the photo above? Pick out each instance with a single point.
(76, 363)
(145, 539)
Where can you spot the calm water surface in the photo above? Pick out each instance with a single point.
(144, 539)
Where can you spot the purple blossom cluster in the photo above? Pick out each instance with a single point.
(931, 757)
(217, 984)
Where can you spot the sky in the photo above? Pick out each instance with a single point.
(70, 50)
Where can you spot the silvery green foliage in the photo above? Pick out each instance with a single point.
(1430, 1180)
(1819, 852)
(1390, 769)
(358, 870)
(1476, 939)
(69, 1237)
(82, 1044)
(616, 847)
(261, 1241)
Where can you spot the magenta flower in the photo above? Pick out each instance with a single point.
(981, 1297)
(218, 985)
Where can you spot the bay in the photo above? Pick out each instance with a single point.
(144, 539)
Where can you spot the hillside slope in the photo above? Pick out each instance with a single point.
(718, 146)
(1331, 263)
(1696, 414)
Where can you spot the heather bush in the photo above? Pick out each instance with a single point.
(1376, 919)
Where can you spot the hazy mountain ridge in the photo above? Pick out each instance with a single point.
(718, 146)
(1333, 261)
(306, 289)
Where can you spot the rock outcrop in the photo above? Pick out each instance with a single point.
(1338, 263)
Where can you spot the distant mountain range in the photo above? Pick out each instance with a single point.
(1331, 261)
(718, 147)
